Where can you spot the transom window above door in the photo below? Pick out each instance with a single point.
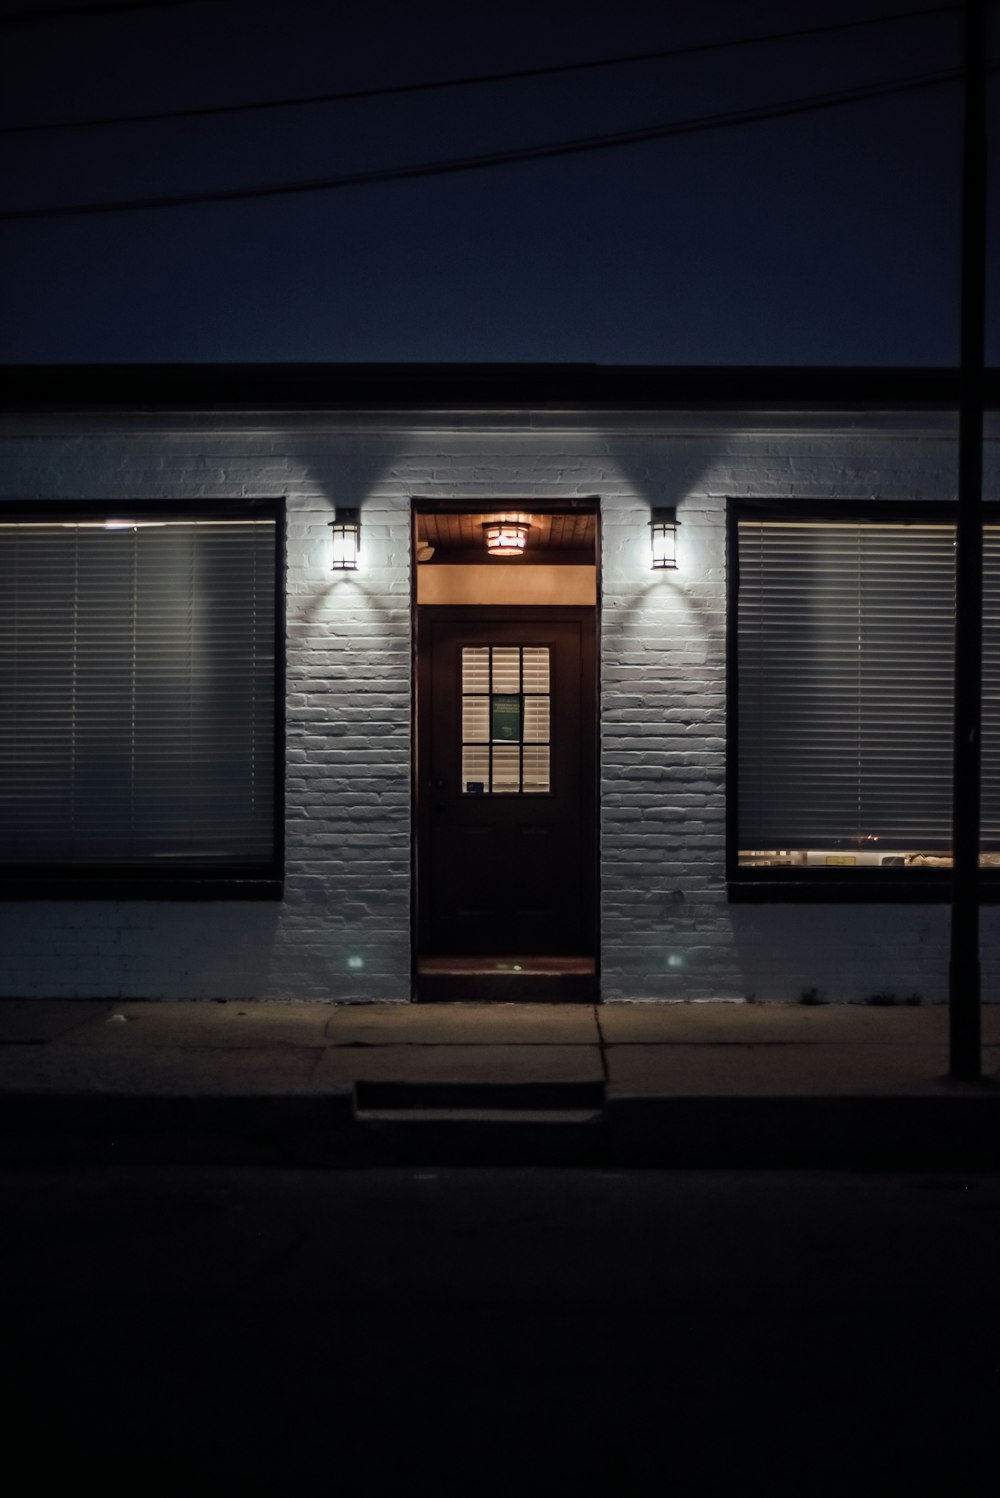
(505, 721)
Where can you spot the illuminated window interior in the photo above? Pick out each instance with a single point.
(845, 639)
(505, 720)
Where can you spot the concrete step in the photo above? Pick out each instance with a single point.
(506, 988)
(479, 1123)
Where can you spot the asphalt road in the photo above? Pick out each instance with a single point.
(188, 1330)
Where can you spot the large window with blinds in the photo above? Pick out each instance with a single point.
(139, 690)
(841, 744)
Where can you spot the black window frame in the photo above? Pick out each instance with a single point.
(821, 885)
(258, 881)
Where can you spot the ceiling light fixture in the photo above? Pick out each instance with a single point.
(507, 536)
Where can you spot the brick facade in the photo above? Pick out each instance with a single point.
(342, 930)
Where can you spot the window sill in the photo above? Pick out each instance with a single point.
(926, 887)
(133, 886)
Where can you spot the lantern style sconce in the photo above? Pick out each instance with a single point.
(663, 537)
(507, 537)
(346, 529)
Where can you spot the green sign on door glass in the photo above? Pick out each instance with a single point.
(506, 717)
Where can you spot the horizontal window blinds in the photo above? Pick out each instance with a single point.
(845, 651)
(137, 708)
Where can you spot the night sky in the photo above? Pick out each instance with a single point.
(820, 238)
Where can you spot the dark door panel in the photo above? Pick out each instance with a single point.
(505, 782)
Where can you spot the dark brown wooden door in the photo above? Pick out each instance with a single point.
(505, 782)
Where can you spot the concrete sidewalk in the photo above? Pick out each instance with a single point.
(643, 1084)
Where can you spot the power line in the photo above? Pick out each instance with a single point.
(87, 12)
(545, 151)
(476, 79)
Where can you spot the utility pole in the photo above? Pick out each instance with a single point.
(964, 1021)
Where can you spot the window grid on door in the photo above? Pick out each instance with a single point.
(506, 720)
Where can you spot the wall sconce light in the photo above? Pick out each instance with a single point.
(346, 529)
(663, 537)
(507, 537)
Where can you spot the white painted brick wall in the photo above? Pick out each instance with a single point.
(342, 930)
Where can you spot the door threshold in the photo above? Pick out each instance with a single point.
(510, 980)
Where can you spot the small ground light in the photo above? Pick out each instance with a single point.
(346, 527)
(663, 537)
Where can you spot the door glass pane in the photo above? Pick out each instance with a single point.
(536, 668)
(506, 720)
(536, 720)
(506, 668)
(506, 717)
(506, 767)
(536, 769)
(475, 720)
(475, 769)
(475, 669)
